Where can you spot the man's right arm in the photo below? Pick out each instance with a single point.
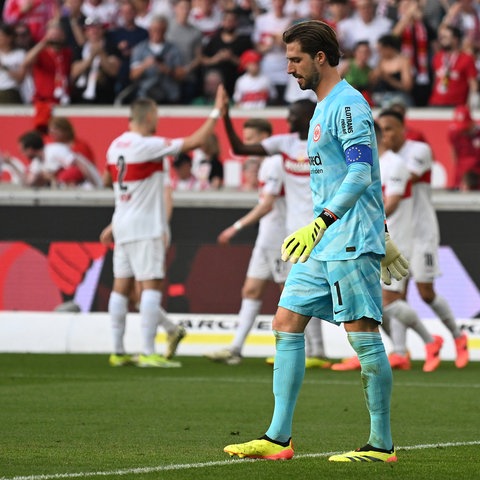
(238, 147)
(252, 217)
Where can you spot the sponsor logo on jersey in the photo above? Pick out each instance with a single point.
(317, 132)
(347, 122)
(315, 160)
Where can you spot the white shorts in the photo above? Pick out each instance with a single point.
(267, 264)
(142, 259)
(424, 266)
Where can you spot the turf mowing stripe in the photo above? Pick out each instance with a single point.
(268, 380)
(186, 466)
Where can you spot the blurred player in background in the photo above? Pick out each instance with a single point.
(398, 201)
(424, 265)
(339, 252)
(265, 262)
(296, 178)
(398, 315)
(136, 165)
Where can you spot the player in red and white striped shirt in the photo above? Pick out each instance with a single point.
(136, 166)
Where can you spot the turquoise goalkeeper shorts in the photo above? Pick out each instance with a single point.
(336, 291)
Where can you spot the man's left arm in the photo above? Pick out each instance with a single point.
(299, 245)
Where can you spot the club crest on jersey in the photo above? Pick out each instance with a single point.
(317, 132)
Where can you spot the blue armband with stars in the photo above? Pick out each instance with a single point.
(359, 153)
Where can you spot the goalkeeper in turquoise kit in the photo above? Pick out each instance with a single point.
(340, 257)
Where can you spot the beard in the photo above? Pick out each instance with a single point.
(446, 48)
(310, 83)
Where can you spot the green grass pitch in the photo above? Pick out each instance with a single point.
(73, 416)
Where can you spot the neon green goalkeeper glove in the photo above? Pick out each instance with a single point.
(394, 264)
(300, 244)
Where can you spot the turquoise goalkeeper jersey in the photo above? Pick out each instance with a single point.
(342, 120)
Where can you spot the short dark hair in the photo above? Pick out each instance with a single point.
(7, 29)
(31, 139)
(259, 124)
(389, 112)
(390, 41)
(315, 36)
(362, 43)
(181, 159)
(456, 32)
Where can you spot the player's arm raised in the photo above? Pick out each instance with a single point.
(197, 138)
(238, 147)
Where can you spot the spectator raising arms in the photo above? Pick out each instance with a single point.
(94, 71)
(416, 44)
(50, 60)
(36, 14)
(72, 21)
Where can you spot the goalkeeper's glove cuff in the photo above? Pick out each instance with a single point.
(328, 217)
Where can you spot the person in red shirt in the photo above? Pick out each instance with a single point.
(50, 61)
(464, 137)
(454, 71)
(34, 13)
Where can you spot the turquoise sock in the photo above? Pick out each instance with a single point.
(377, 385)
(288, 373)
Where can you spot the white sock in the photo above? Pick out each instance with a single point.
(314, 339)
(445, 314)
(164, 321)
(118, 308)
(386, 321)
(398, 332)
(150, 318)
(246, 318)
(404, 313)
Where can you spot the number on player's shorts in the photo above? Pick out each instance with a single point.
(339, 294)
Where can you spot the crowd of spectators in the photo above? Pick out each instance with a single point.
(109, 52)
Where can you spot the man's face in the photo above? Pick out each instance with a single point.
(366, 10)
(157, 31)
(393, 132)
(445, 38)
(252, 136)
(302, 67)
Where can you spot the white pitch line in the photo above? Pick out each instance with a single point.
(186, 466)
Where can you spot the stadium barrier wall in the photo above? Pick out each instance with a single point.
(49, 254)
(100, 125)
(35, 332)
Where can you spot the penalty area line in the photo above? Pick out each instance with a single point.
(187, 466)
